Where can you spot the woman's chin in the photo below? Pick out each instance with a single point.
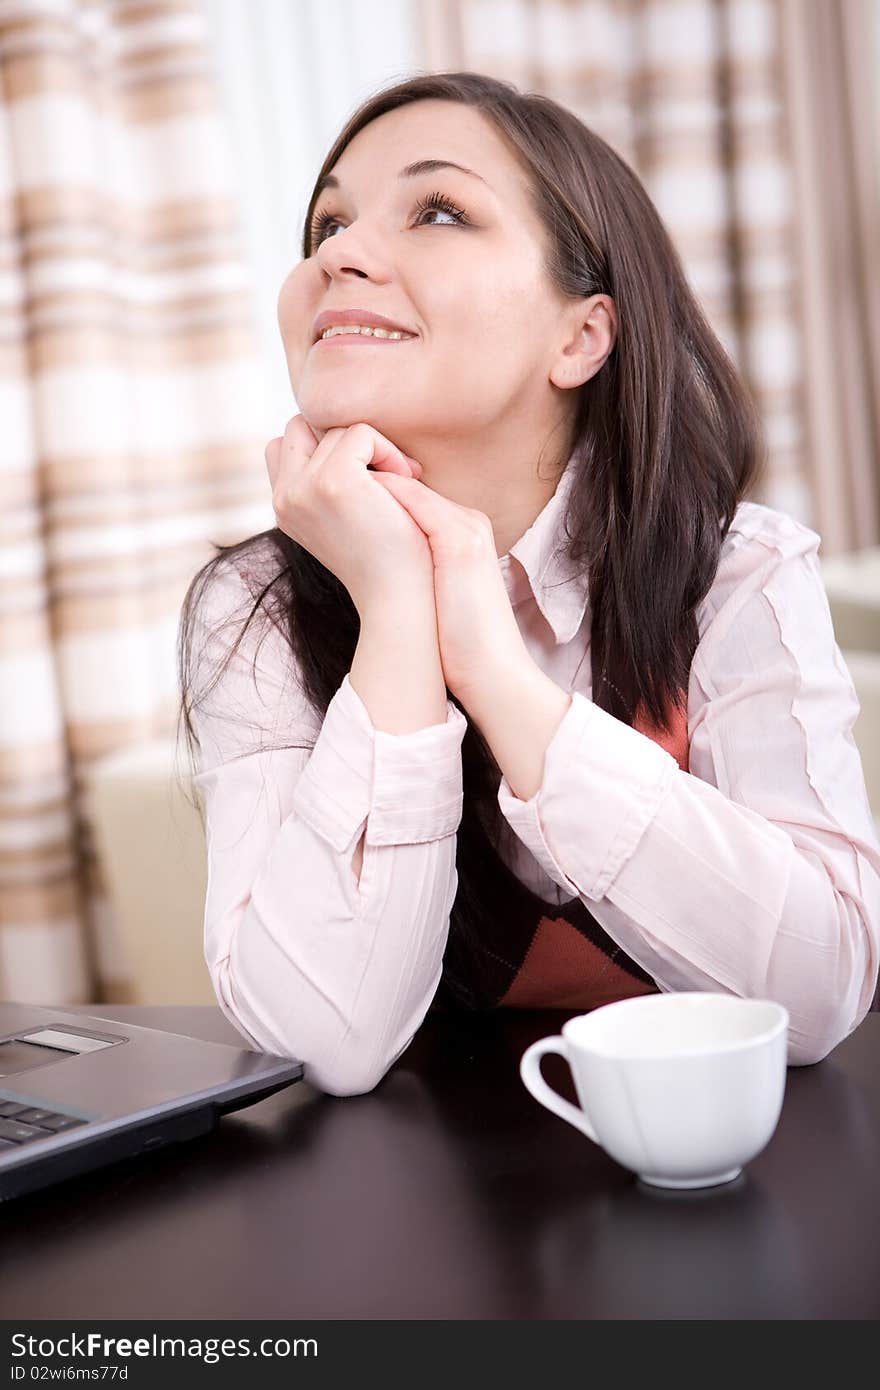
(325, 417)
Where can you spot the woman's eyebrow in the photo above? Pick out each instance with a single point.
(410, 171)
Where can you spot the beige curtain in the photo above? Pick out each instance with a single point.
(693, 94)
(830, 62)
(129, 441)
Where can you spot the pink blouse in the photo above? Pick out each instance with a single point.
(742, 858)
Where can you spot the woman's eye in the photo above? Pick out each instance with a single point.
(321, 226)
(435, 202)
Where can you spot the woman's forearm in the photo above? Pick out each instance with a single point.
(396, 669)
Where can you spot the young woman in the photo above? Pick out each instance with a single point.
(522, 702)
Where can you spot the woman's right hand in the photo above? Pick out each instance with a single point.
(325, 500)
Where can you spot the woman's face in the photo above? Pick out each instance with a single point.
(469, 283)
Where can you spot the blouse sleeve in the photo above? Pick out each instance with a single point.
(757, 872)
(306, 960)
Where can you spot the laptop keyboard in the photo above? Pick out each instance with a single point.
(22, 1124)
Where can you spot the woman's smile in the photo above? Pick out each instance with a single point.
(349, 339)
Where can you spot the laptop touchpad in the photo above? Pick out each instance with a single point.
(16, 1056)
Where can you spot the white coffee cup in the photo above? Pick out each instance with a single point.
(682, 1089)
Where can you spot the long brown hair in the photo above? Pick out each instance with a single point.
(665, 443)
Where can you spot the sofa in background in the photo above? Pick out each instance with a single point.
(151, 845)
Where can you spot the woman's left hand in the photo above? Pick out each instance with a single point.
(478, 632)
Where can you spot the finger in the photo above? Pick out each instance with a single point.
(327, 442)
(412, 470)
(299, 436)
(443, 522)
(273, 459)
(311, 446)
(379, 454)
(399, 487)
(297, 443)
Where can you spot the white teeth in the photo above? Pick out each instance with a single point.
(368, 332)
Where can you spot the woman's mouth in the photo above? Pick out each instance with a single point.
(350, 336)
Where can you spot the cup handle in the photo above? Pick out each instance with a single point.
(530, 1071)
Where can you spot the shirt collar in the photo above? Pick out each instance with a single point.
(543, 570)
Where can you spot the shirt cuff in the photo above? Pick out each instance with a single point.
(407, 787)
(603, 784)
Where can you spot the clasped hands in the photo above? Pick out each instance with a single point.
(481, 648)
(480, 641)
(323, 499)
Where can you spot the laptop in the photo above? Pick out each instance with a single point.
(78, 1091)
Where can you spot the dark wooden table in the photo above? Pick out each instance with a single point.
(448, 1192)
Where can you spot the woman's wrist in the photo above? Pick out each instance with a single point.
(396, 669)
(410, 603)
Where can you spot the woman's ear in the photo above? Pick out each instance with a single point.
(591, 335)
